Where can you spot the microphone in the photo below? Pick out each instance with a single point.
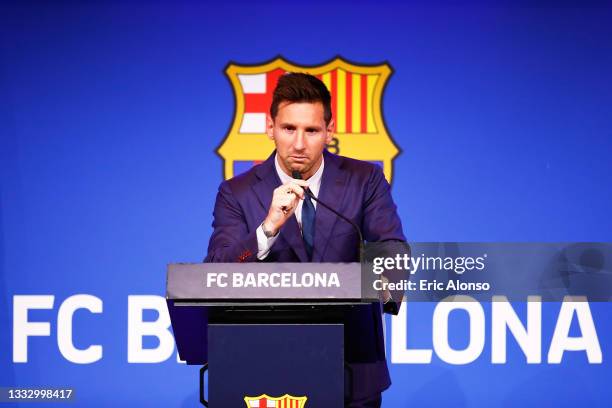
(297, 175)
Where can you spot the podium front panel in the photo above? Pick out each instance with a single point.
(302, 360)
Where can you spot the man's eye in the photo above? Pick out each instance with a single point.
(289, 129)
(311, 132)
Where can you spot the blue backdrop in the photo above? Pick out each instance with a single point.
(111, 112)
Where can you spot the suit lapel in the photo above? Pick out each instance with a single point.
(264, 189)
(268, 181)
(332, 191)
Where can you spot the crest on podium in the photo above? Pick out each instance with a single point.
(265, 401)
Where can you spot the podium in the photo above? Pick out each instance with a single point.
(269, 334)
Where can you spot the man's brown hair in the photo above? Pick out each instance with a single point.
(295, 87)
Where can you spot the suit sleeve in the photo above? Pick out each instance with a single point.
(381, 223)
(231, 240)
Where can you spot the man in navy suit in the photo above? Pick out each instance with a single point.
(264, 215)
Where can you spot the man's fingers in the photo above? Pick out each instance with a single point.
(285, 200)
(295, 188)
(288, 208)
(289, 200)
(300, 182)
(286, 196)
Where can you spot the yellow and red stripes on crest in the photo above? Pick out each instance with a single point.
(352, 98)
(288, 402)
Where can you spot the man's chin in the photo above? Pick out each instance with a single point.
(301, 167)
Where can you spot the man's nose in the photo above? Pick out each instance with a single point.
(298, 143)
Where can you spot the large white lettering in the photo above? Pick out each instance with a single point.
(562, 342)
(137, 329)
(503, 319)
(529, 339)
(92, 353)
(476, 327)
(400, 353)
(23, 328)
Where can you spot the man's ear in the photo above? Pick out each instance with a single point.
(270, 127)
(330, 131)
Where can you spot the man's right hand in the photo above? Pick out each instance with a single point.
(284, 202)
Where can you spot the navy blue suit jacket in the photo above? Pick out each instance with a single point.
(356, 189)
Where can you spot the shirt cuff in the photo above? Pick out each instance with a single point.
(263, 243)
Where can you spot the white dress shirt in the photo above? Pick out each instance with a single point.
(314, 184)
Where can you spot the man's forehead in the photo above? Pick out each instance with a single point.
(301, 112)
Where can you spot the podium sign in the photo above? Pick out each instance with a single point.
(209, 284)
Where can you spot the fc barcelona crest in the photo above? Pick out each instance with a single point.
(356, 92)
(265, 401)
